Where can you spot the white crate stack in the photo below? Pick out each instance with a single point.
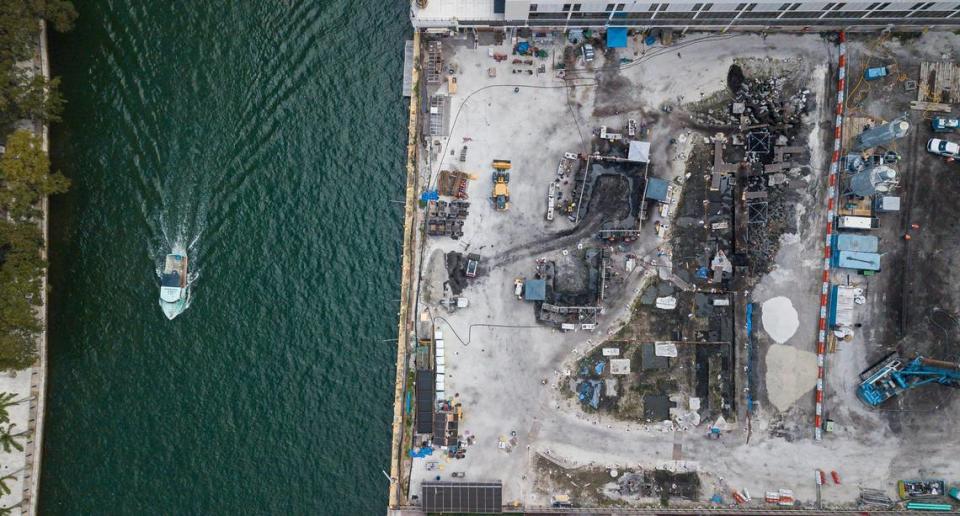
(440, 363)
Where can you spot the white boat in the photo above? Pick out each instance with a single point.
(174, 291)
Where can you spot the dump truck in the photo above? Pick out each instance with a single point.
(501, 193)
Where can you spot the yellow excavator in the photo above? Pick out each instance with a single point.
(501, 193)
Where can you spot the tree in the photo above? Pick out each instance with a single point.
(21, 275)
(25, 176)
(8, 439)
(24, 93)
(6, 401)
(61, 14)
(4, 488)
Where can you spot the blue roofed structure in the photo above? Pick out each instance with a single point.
(855, 242)
(857, 260)
(617, 37)
(657, 189)
(535, 290)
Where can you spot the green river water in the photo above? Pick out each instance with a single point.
(268, 138)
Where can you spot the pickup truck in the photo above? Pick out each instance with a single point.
(941, 124)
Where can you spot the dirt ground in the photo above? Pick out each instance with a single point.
(517, 379)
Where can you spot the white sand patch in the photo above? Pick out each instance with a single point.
(780, 318)
(791, 373)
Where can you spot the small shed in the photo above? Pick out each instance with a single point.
(856, 242)
(617, 37)
(888, 203)
(535, 290)
(639, 152)
(841, 305)
(619, 366)
(657, 189)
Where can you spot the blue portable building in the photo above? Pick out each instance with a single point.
(856, 242)
(617, 37)
(857, 260)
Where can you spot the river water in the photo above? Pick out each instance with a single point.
(268, 137)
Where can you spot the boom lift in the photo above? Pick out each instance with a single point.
(893, 375)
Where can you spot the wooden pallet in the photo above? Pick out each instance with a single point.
(930, 106)
(939, 83)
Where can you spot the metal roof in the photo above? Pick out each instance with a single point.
(657, 189)
(458, 497)
(858, 261)
(639, 151)
(854, 242)
(535, 290)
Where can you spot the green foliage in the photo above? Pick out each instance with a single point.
(4, 488)
(6, 401)
(8, 439)
(24, 94)
(26, 178)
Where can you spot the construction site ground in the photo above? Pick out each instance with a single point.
(512, 374)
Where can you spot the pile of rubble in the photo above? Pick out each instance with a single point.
(759, 103)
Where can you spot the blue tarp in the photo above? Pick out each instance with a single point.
(589, 392)
(599, 367)
(617, 37)
(419, 453)
(429, 195)
(523, 47)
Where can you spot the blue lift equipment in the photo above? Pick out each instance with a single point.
(893, 375)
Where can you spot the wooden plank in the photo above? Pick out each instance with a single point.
(939, 83)
(852, 126)
(930, 106)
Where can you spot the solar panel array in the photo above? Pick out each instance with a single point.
(424, 390)
(457, 497)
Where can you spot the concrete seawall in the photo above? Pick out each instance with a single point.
(38, 372)
(409, 216)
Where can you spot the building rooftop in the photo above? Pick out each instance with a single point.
(657, 189)
(858, 243)
(858, 261)
(441, 11)
(535, 290)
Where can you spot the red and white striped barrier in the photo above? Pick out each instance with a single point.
(831, 215)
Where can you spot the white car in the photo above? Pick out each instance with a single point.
(943, 148)
(587, 53)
